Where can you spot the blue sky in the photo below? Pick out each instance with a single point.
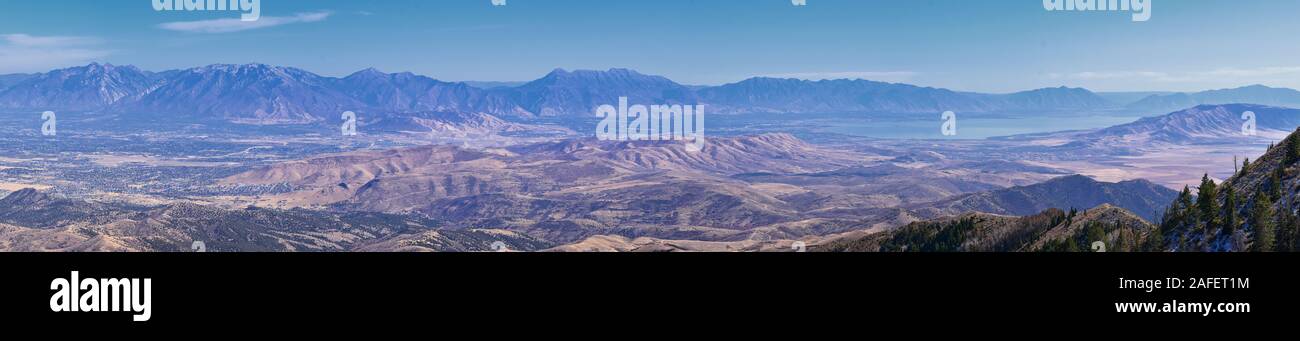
(991, 46)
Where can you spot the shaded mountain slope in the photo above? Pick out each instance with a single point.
(1052, 230)
(1140, 196)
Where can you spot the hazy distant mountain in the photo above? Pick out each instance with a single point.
(1205, 124)
(263, 94)
(1127, 98)
(828, 96)
(386, 93)
(579, 92)
(1142, 197)
(1200, 124)
(250, 93)
(1254, 94)
(90, 87)
(405, 91)
(841, 96)
(9, 80)
(1056, 98)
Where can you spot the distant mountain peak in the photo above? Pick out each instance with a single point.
(557, 72)
(90, 87)
(622, 71)
(1059, 88)
(370, 71)
(100, 86)
(97, 68)
(583, 73)
(577, 92)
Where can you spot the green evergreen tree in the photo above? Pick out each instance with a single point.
(1185, 217)
(1096, 232)
(1275, 187)
(1261, 222)
(1292, 150)
(1286, 230)
(1206, 204)
(1125, 243)
(1072, 245)
(1178, 217)
(1205, 196)
(1230, 218)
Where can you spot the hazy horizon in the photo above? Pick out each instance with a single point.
(522, 81)
(993, 47)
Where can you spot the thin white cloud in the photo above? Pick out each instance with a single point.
(1237, 74)
(25, 40)
(228, 25)
(21, 52)
(1256, 72)
(1097, 75)
(884, 76)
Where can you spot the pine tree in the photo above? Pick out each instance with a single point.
(1072, 245)
(1262, 223)
(1205, 196)
(1125, 243)
(1096, 232)
(1275, 187)
(1245, 166)
(1205, 201)
(1178, 217)
(1286, 230)
(1292, 149)
(1230, 219)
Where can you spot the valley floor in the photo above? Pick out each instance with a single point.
(765, 192)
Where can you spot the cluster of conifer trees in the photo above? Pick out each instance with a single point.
(1218, 218)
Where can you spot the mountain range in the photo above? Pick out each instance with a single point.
(1254, 94)
(1203, 124)
(265, 94)
(9, 80)
(91, 87)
